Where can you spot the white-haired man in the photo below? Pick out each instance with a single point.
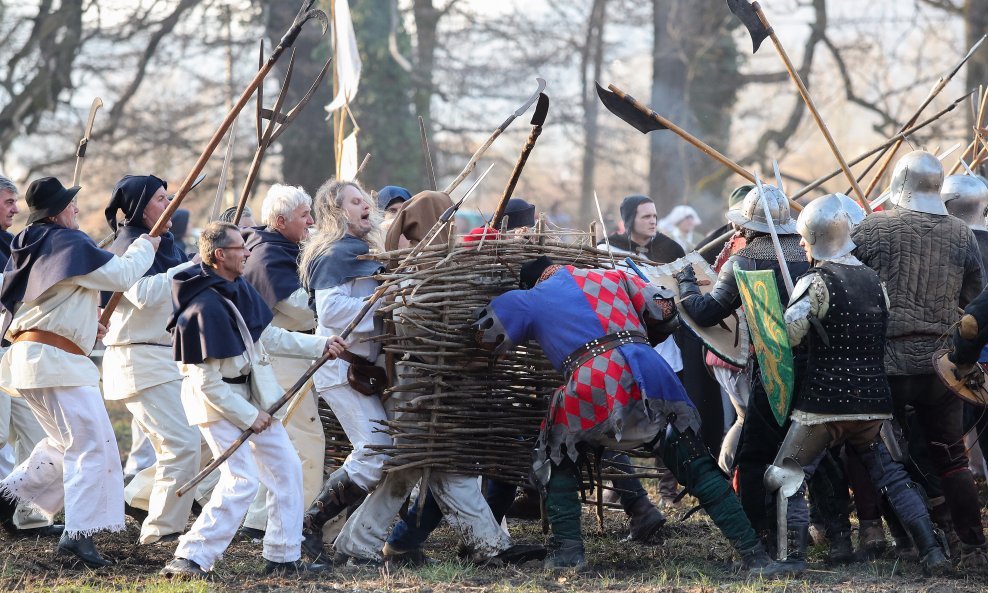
(138, 368)
(18, 426)
(286, 215)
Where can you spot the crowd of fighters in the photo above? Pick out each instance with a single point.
(202, 344)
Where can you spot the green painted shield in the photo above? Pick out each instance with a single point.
(766, 319)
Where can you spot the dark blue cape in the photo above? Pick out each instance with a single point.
(168, 255)
(44, 254)
(272, 267)
(5, 241)
(340, 264)
(202, 325)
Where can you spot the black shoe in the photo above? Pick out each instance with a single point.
(841, 550)
(568, 553)
(184, 569)
(135, 513)
(296, 568)
(251, 533)
(35, 532)
(8, 507)
(757, 563)
(520, 554)
(83, 549)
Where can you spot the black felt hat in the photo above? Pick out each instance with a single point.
(47, 197)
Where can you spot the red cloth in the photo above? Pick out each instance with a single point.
(481, 232)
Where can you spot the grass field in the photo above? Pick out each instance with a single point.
(693, 558)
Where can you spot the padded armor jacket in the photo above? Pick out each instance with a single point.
(931, 265)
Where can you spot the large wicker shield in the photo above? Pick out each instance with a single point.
(729, 339)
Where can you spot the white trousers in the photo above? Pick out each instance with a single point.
(159, 414)
(77, 466)
(308, 438)
(459, 498)
(22, 431)
(141, 455)
(358, 415)
(268, 457)
(736, 386)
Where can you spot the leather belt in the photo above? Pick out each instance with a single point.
(41, 336)
(600, 345)
(237, 380)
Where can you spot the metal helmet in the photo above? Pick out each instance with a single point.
(916, 183)
(853, 209)
(966, 197)
(826, 228)
(751, 214)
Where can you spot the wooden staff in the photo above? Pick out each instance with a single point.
(80, 153)
(304, 14)
(805, 94)
(472, 163)
(538, 118)
(820, 181)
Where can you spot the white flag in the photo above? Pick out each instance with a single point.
(348, 159)
(347, 58)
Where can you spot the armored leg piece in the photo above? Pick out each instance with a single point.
(337, 494)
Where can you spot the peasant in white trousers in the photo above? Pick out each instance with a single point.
(268, 456)
(77, 466)
(21, 431)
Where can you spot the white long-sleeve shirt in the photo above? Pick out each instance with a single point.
(69, 309)
(139, 348)
(207, 398)
(335, 309)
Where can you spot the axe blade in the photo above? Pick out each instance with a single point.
(628, 112)
(746, 13)
(541, 110)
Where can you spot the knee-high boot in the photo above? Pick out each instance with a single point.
(338, 493)
(563, 509)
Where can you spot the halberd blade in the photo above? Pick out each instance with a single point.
(628, 112)
(746, 13)
(541, 110)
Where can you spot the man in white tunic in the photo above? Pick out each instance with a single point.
(272, 269)
(138, 367)
(222, 335)
(18, 426)
(50, 296)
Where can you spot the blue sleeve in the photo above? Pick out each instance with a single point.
(513, 310)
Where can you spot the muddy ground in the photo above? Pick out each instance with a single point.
(691, 559)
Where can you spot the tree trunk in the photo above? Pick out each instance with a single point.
(694, 83)
(591, 63)
(427, 19)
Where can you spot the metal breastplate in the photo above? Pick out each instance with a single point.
(846, 370)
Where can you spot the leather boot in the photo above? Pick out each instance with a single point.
(931, 556)
(83, 549)
(337, 494)
(965, 509)
(757, 563)
(841, 550)
(940, 515)
(973, 559)
(567, 553)
(646, 520)
(871, 539)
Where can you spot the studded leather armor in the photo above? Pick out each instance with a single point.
(845, 368)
